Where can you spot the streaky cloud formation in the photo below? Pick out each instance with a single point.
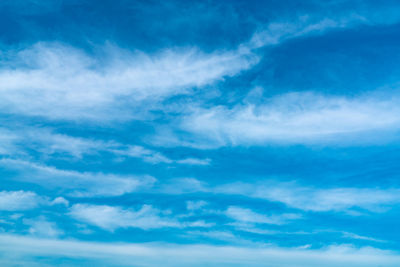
(247, 215)
(19, 200)
(292, 194)
(26, 248)
(295, 118)
(56, 81)
(78, 184)
(199, 133)
(319, 199)
(111, 218)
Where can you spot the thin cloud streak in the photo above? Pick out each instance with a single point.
(25, 249)
(295, 118)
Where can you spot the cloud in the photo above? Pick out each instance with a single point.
(111, 218)
(359, 237)
(18, 141)
(152, 156)
(295, 118)
(56, 81)
(60, 201)
(249, 216)
(76, 184)
(195, 205)
(43, 228)
(314, 24)
(19, 200)
(318, 199)
(7, 141)
(194, 161)
(29, 250)
(183, 186)
(306, 198)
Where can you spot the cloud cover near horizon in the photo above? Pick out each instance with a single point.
(226, 133)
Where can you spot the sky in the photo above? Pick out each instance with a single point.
(199, 133)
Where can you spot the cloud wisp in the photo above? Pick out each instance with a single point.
(56, 81)
(76, 184)
(293, 195)
(295, 118)
(26, 250)
(113, 217)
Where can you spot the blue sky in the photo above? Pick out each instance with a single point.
(199, 133)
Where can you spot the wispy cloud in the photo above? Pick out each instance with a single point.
(294, 195)
(77, 184)
(17, 141)
(27, 200)
(152, 156)
(24, 249)
(319, 23)
(318, 199)
(19, 200)
(41, 227)
(111, 218)
(57, 81)
(302, 118)
(61, 82)
(249, 216)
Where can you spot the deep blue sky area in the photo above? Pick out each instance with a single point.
(199, 133)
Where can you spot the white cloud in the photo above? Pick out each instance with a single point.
(249, 216)
(295, 118)
(60, 201)
(183, 186)
(111, 218)
(16, 141)
(49, 142)
(194, 161)
(143, 153)
(254, 228)
(317, 199)
(277, 32)
(303, 25)
(57, 81)
(152, 156)
(19, 200)
(196, 205)
(7, 141)
(307, 198)
(77, 184)
(43, 228)
(60, 82)
(360, 237)
(29, 250)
